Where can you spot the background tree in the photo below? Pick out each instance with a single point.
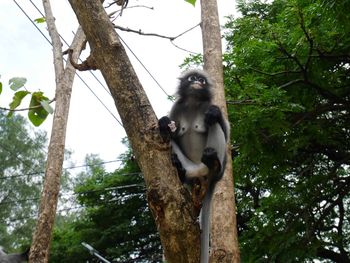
(115, 218)
(22, 162)
(223, 211)
(64, 76)
(288, 78)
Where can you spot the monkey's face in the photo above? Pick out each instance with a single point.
(196, 81)
(196, 85)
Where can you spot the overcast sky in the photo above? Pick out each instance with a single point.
(24, 52)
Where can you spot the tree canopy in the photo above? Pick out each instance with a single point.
(21, 171)
(287, 75)
(115, 218)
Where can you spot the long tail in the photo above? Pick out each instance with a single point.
(205, 224)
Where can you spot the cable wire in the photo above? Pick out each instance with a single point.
(24, 12)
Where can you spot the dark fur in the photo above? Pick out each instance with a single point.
(199, 141)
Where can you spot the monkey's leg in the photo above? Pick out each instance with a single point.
(214, 155)
(193, 170)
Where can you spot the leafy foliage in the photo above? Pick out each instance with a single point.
(39, 106)
(17, 83)
(115, 220)
(22, 159)
(40, 20)
(287, 75)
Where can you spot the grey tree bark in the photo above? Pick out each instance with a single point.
(169, 202)
(224, 240)
(39, 251)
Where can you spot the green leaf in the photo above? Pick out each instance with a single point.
(40, 20)
(17, 83)
(0, 87)
(37, 114)
(16, 100)
(46, 105)
(192, 2)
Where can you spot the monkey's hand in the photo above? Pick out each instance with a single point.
(210, 158)
(180, 170)
(212, 115)
(164, 128)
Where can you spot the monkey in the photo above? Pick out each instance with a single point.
(198, 133)
(13, 258)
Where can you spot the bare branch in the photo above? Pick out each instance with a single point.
(141, 33)
(160, 36)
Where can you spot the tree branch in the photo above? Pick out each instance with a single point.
(25, 109)
(141, 33)
(276, 73)
(308, 37)
(168, 200)
(172, 39)
(39, 252)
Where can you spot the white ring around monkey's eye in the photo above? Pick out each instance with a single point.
(191, 78)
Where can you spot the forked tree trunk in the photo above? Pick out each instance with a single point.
(169, 202)
(39, 252)
(224, 241)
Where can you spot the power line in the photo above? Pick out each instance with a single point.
(65, 168)
(41, 13)
(145, 68)
(24, 12)
(32, 216)
(107, 189)
(32, 22)
(132, 52)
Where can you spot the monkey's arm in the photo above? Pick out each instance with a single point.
(214, 115)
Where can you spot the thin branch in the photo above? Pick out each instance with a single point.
(290, 56)
(188, 30)
(308, 37)
(241, 102)
(276, 73)
(183, 49)
(160, 36)
(25, 109)
(290, 83)
(120, 11)
(141, 33)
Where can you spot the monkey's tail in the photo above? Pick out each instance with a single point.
(205, 224)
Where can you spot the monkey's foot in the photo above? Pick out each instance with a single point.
(210, 159)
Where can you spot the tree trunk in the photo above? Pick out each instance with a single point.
(224, 241)
(169, 202)
(64, 79)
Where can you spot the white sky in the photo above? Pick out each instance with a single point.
(24, 52)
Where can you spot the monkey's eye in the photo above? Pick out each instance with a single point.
(201, 80)
(191, 78)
